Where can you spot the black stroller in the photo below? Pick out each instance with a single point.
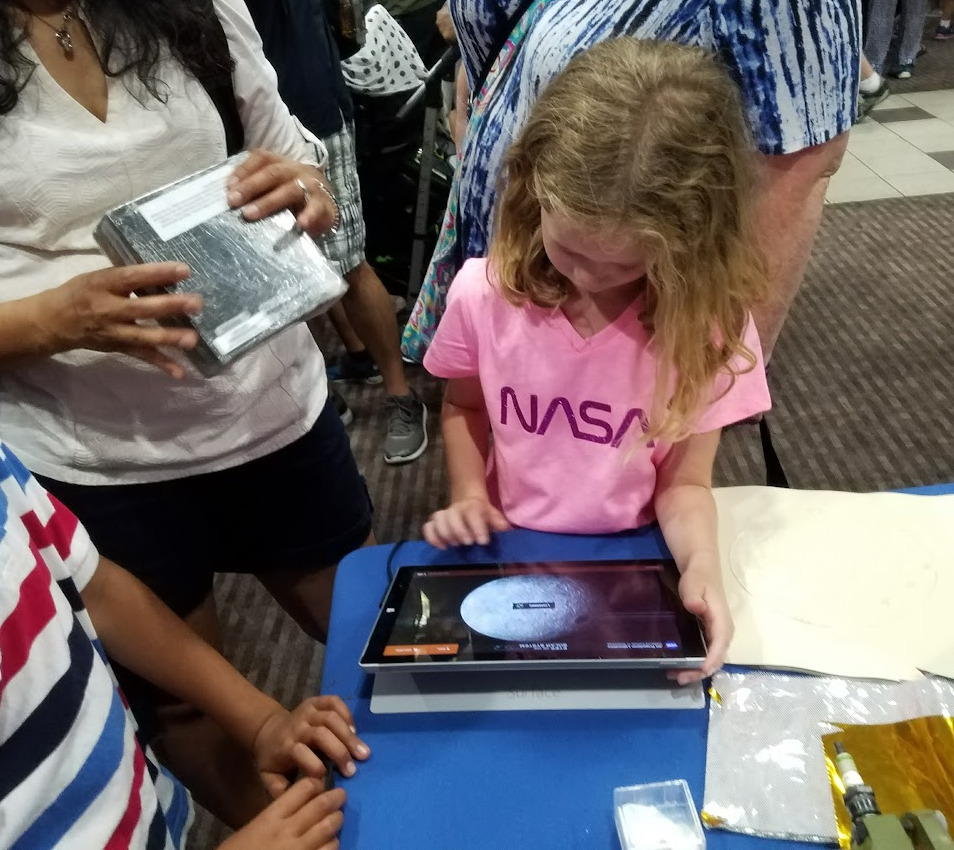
(403, 163)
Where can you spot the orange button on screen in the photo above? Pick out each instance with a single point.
(421, 649)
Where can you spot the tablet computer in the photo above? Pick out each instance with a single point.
(571, 614)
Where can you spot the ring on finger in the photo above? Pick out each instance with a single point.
(305, 194)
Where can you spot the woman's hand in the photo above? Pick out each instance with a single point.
(303, 818)
(701, 592)
(460, 114)
(446, 24)
(287, 741)
(267, 183)
(95, 311)
(464, 523)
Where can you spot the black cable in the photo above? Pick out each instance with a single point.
(391, 555)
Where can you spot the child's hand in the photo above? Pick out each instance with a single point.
(287, 741)
(464, 523)
(701, 592)
(303, 818)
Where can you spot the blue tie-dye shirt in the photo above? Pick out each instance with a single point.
(796, 62)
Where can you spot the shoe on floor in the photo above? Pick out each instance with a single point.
(355, 368)
(904, 72)
(406, 439)
(867, 102)
(345, 412)
(944, 33)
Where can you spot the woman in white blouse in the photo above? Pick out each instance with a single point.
(175, 476)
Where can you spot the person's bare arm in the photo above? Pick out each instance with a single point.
(466, 428)
(138, 631)
(95, 311)
(470, 517)
(22, 333)
(687, 516)
(459, 115)
(445, 24)
(789, 210)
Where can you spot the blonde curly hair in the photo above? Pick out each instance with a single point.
(647, 137)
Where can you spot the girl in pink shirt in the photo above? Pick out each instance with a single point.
(594, 358)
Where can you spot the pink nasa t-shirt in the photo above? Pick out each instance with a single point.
(567, 412)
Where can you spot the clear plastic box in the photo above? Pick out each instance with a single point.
(658, 816)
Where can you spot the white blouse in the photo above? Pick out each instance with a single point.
(91, 418)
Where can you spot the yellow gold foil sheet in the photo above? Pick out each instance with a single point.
(908, 765)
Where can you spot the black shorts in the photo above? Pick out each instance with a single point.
(305, 506)
(302, 507)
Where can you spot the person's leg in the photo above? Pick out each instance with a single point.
(368, 306)
(880, 31)
(305, 594)
(913, 16)
(370, 311)
(872, 89)
(317, 510)
(355, 365)
(339, 319)
(945, 30)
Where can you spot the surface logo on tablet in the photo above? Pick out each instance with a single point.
(609, 433)
(524, 606)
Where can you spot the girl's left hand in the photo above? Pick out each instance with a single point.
(702, 594)
(289, 741)
(266, 183)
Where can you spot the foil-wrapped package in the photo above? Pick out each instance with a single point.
(255, 278)
(766, 769)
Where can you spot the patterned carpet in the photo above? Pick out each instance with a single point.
(863, 386)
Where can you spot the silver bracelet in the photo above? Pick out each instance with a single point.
(336, 222)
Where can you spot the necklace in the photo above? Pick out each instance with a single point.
(62, 34)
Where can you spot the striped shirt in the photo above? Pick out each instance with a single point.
(72, 772)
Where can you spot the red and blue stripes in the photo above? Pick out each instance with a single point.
(73, 773)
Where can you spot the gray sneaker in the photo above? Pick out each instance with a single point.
(407, 428)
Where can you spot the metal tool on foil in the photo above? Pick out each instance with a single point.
(872, 830)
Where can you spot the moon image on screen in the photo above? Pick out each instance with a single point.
(528, 608)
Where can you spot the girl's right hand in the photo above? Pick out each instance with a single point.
(464, 523)
(303, 818)
(95, 311)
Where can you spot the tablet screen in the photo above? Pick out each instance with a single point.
(627, 613)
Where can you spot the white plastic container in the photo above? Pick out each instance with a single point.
(658, 816)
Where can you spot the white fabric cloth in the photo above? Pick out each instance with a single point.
(92, 418)
(388, 62)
